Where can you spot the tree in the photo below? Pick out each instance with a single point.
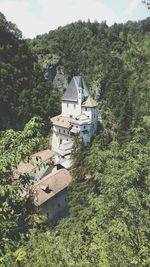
(16, 208)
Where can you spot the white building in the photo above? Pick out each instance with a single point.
(79, 117)
(38, 167)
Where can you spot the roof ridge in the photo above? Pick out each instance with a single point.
(50, 175)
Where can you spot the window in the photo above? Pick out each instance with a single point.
(94, 115)
(70, 116)
(84, 127)
(68, 132)
(85, 109)
(60, 141)
(59, 130)
(76, 126)
(64, 131)
(67, 105)
(74, 106)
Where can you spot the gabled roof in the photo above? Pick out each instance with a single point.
(56, 182)
(27, 167)
(90, 102)
(71, 94)
(61, 121)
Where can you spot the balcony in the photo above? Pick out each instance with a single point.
(64, 149)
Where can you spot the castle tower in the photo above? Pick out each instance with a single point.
(78, 117)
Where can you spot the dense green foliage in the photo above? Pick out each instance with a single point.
(117, 56)
(109, 218)
(23, 91)
(109, 210)
(16, 210)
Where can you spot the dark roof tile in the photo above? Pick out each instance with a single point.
(71, 93)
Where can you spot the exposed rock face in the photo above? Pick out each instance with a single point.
(60, 81)
(96, 88)
(52, 71)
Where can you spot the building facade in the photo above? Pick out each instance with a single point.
(79, 117)
(50, 194)
(38, 166)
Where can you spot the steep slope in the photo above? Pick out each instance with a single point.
(23, 89)
(113, 60)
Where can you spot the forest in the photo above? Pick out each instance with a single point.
(108, 223)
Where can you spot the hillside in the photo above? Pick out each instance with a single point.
(23, 89)
(109, 220)
(113, 60)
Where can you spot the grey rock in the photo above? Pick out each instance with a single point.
(96, 88)
(52, 71)
(60, 82)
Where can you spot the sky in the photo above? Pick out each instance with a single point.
(35, 17)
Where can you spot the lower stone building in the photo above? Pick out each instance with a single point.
(50, 194)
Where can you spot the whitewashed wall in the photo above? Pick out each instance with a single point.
(40, 173)
(71, 108)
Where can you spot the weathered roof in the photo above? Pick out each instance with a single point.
(66, 163)
(61, 121)
(71, 94)
(90, 102)
(67, 122)
(56, 182)
(30, 166)
(75, 130)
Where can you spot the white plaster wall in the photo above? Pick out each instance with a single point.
(55, 141)
(87, 112)
(40, 173)
(93, 116)
(72, 110)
